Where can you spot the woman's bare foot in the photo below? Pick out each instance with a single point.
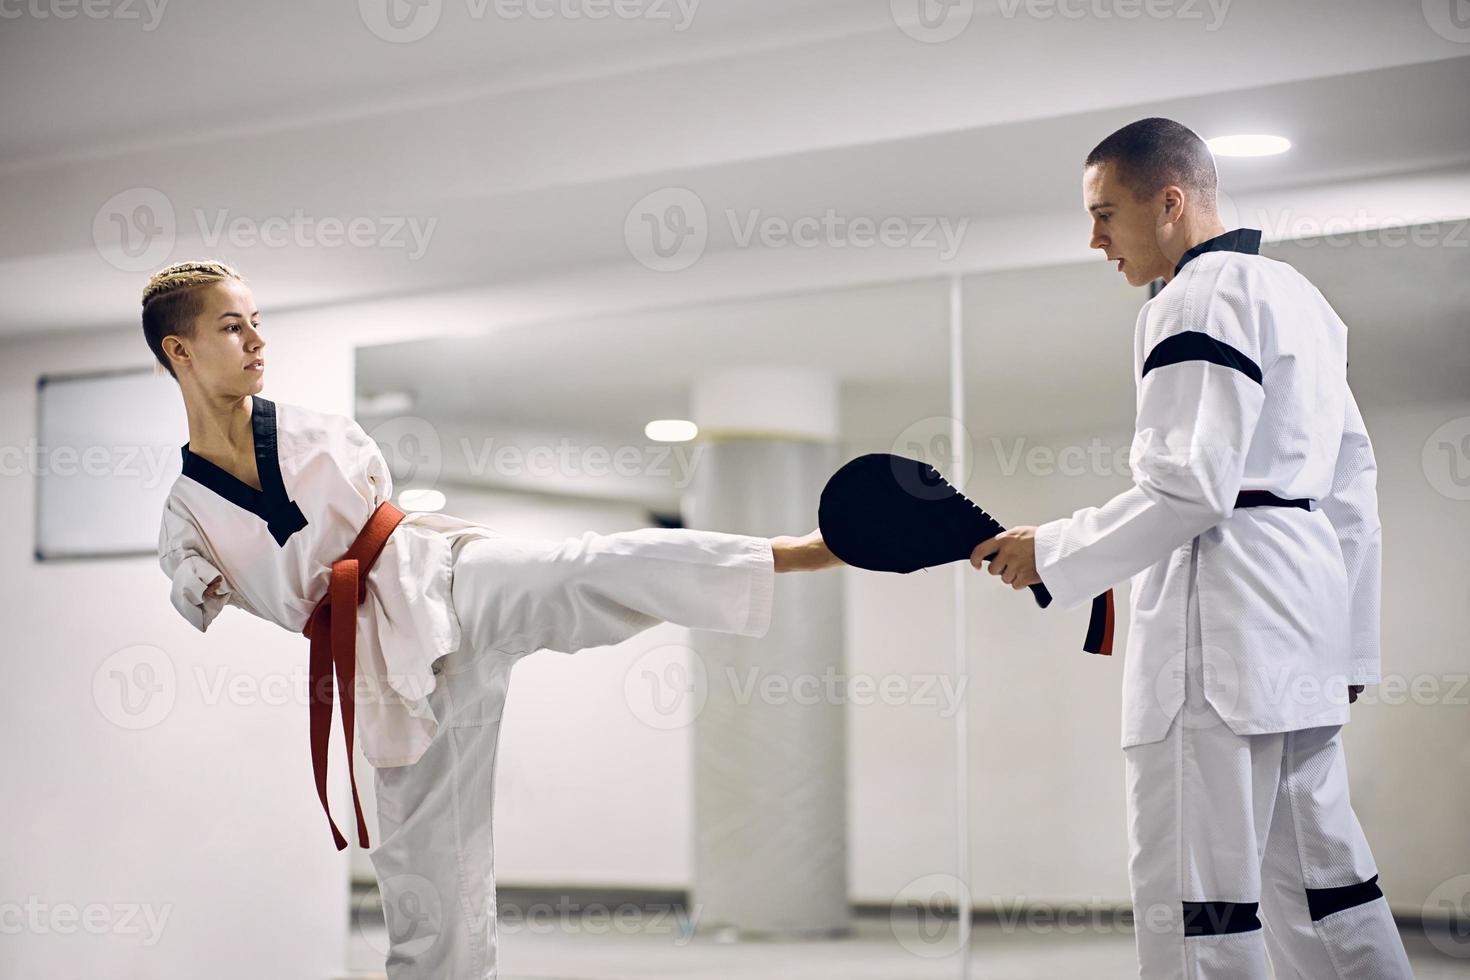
(807, 553)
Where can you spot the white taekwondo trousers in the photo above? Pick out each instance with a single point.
(435, 857)
(1218, 822)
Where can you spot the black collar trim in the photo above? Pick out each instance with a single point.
(1247, 240)
(269, 503)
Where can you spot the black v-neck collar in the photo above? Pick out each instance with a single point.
(282, 517)
(1247, 240)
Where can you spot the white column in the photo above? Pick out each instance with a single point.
(770, 807)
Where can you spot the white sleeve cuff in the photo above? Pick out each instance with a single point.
(1048, 557)
(191, 579)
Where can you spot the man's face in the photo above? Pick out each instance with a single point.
(227, 340)
(1124, 227)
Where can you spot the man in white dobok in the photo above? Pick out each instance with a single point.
(1252, 541)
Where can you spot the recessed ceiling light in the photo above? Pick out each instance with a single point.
(1250, 145)
(671, 430)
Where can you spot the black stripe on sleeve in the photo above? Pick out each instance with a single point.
(1191, 345)
(1322, 902)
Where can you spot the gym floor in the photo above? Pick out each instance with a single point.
(612, 946)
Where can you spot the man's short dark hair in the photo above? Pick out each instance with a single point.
(1155, 152)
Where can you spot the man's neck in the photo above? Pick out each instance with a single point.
(1192, 237)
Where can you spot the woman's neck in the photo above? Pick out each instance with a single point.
(220, 427)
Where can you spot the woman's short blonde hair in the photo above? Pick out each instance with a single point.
(172, 300)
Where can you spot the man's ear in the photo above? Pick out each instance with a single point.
(1172, 200)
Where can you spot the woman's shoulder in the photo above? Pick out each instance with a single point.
(298, 425)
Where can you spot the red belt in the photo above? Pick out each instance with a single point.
(1100, 624)
(334, 644)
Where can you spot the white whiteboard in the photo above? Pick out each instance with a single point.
(107, 453)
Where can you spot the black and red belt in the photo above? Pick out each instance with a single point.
(1100, 623)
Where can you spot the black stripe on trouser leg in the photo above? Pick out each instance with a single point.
(1220, 918)
(1191, 345)
(1322, 902)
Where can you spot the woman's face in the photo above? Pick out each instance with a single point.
(226, 356)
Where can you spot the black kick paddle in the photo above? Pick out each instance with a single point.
(889, 513)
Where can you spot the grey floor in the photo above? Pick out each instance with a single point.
(577, 948)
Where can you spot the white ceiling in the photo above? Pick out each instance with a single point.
(526, 142)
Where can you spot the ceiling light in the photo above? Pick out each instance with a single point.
(671, 430)
(1251, 145)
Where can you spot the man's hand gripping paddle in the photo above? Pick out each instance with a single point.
(890, 513)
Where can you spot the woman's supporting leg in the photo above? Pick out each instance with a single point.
(435, 858)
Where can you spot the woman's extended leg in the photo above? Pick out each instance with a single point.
(516, 595)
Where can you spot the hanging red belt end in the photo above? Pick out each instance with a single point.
(334, 650)
(1100, 626)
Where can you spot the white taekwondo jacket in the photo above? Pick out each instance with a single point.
(1241, 368)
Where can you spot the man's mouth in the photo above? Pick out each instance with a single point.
(1120, 265)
